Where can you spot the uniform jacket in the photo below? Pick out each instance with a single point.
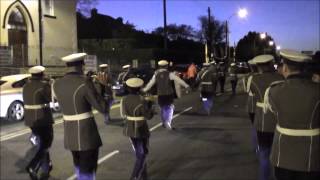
(233, 73)
(125, 75)
(37, 92)
(296, 102)
(214, 71)
(221, 71)
(251, 101)
(264, 122)
(76, 96)
(163, 78)
(134, 106)
(207, 80)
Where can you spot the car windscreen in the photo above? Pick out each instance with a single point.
(20, 83)
(2, 82)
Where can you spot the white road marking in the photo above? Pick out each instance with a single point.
(108, 156)
(104, 158)
(26, 131)
(176, 115)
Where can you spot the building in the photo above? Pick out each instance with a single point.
(26, 42)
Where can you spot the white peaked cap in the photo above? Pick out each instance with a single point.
(103, 65)
(251, 62)
(125, 66)
(74, 57)
(36, 69)
(262, 59)
(134, 82)
(295, 56)
(163, 63)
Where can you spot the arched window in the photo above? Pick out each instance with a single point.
(16, 20)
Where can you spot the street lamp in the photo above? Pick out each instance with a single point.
(263, 35)
(242, 13)
(271, 43)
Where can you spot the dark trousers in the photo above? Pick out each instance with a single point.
(85, 161)
(140, 146)
(234, 86)
(265, 140)
(42, 157)
(222, 80)
(251, 116)
(286, 174)
(254, 138)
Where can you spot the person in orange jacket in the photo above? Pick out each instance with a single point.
(192, 74)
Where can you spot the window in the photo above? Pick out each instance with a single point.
(2, 82)
(48, 7)
(20, 83)
(16, 20)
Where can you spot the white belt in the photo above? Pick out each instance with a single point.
(298, 132)
(130, 118)
(37, 106)
(260, 104)
(78, 117)
(206, 83)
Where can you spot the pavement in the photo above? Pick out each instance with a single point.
(214, 147)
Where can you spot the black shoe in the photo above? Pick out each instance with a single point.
(44, 176)
(32, 173)
(50, 167)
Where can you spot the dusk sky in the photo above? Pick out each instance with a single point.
(294, 24)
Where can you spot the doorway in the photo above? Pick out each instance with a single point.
(18, 38)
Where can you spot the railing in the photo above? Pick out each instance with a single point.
(6, 54)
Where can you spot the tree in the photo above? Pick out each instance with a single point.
(175, 32)
(215, 37)
(217, 30)
(85, 6)
(252, 45)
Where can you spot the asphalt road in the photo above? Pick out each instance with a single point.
(215, 147)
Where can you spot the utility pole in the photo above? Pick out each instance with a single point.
(209, 38)
(165, 25)
(40, 33)
(227, 42)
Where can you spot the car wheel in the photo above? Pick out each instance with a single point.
(16, 111)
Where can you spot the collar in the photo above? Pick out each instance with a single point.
(297, 76)
(36, 78)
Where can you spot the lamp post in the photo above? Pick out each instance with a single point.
(40, 33)
(242, 13)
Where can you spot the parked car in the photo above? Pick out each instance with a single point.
(11, 100)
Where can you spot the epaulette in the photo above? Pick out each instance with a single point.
(276, 83)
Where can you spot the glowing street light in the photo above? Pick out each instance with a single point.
(263, 35)
(271, 43)
(242, 13)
